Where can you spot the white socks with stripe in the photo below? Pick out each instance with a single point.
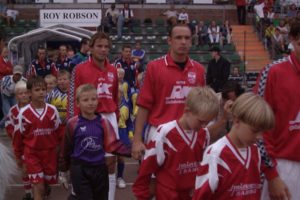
(112, 186)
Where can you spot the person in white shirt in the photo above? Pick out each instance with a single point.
(183, 17)
(214, 32)
(171, 15)
(277, 43)
(125, 18)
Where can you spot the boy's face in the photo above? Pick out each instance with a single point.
(51, 84)
(121, 75)
(247, 135)
(88, 102)
(38, 93)
(196, 122)
(63, 82)
(22, 96)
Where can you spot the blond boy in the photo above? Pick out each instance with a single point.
(175, 153)
(231, 167)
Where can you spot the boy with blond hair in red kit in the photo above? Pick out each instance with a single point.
(40, 132)
(11, 122)
(231, 167)
(175, 152)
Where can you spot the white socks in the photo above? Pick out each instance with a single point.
(112, 186)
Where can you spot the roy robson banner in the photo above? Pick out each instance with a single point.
(72, 17)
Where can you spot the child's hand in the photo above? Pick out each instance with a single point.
(227, 112)
(63, 180)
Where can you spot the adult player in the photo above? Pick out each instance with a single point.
(278, 84)
(98, 71)
(165, 85)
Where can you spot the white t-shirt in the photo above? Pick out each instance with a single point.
(170, 13)
(183, 16)
(259, 9)
(12, 13)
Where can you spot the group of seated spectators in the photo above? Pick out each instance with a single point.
(274, 30)
(8, 13)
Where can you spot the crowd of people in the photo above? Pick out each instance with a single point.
(274, 27)
(75, 116)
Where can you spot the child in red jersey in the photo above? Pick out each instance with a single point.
(40, 133)
(11, 122)
(231, 167)
(175, 152)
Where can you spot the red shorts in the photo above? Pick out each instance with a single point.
(41, 165)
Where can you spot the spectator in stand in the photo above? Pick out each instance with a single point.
(171, 15)
(82, 55)
(269, 33)
(183, 16)
(259, 9)
(218, 70)
(202, 32)
(63, 62)
(277, 43)
(3, 8)
(125, 18)
(226, 33)
(70, 52)
(235, 73)
(7, 91)
(138, 55)
(42, 65)
(214, 33)
(271, 13)
(292, 12)
(276, 20)
(284, 31)
(6, 68)
(241, 11)
(111, 17)
(11, 14)
(265, 22)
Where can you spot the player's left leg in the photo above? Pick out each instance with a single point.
(121, 166)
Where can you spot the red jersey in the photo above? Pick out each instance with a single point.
(41, 68)
(6, 68)
(283, 78)
(12, 120)
(106, 82)
(225, 174)
(11, 124)
(173, 156)
(165, 87)
(39, 131)
(240, 2)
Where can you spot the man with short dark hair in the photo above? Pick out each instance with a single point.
(218, 70)
(41, 66)
(82, 55)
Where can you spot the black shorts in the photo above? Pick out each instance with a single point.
(90, 182)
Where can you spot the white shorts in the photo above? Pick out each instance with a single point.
(289, 172)
(149, 133)
(111, 117)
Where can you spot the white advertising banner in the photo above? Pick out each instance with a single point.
(203, 1)
(108, 1)
(155, 1)
(72, 17)
(87, 1)
(63, 1)
(41, 1)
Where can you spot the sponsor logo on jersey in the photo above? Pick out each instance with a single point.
(192, 77)
(244, 189)
(103, 90)
(89, 144)
(178, 94)
(83, 128)
(110, 76)
(188, 167)
(45, 131)
(295, 125)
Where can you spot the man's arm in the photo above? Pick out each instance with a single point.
(138, 147)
